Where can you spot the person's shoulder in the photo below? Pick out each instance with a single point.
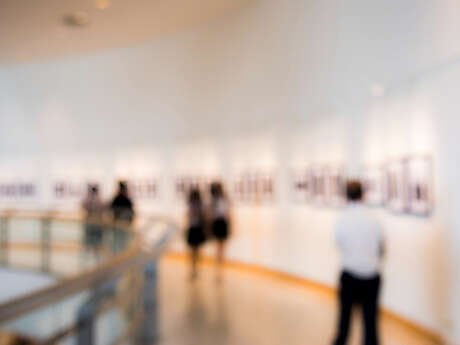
(116, 200)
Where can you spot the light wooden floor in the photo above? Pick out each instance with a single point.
(250, 309)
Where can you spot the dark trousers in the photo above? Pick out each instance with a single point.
(363, 293)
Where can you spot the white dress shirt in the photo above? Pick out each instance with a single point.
(360, 240)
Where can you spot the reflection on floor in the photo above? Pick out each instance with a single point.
(247, 309)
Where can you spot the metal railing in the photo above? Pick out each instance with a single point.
(110, 301)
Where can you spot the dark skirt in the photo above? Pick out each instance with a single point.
(220, 229)
(195, 236)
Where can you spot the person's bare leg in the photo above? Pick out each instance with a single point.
(194, 261)
(220, 258)
(220, 252)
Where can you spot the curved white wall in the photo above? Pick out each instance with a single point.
(275, 85)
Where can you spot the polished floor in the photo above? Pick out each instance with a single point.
(249, 309)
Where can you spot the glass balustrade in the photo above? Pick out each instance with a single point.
(98, 281)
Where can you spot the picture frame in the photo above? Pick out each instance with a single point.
(254, 187)
(318, 185)
(301, 185)
(17, 190)
(183, 184)
(420, 185)
(335, 184)
(143, 188)
(66, 189)
(374, 187)
(396, 198)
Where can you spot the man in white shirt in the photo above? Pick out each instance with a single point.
(360, 240)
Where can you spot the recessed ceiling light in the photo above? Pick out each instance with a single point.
(79, 18)
(102, 4)
(377, 90)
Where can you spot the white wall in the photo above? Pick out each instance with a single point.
(278, 84)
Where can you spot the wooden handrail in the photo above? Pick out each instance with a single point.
(133, 256)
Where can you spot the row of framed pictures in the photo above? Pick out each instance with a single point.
(138, 189)
(320, 185)
(403, 185)
(17, 189)
(255, 187)
(70, 189)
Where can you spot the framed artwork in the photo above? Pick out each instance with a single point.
(301, 185)
(266, 189)
(373, 180)
(396, 186)
(244, 187)
(183, 184)
(318, 185)
(143, 188)
(17, 190)
(419, 172)
(67, 189)
(334, 186)
(254, 187)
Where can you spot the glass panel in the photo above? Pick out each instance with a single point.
(109, 312)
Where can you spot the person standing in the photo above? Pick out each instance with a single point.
(360, 240)
(219, 217)
(93, 208)
(122, 206)
(195, 235)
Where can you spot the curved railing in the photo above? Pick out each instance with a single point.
(102, 279)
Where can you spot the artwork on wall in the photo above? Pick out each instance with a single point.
(334, 186)
(396, 192)
(17, 190)
(373, 180)
(419, 174)
(402, 185)
(301, 184)
(255, 187)
(183, 184)
(143, 189)
(321, 185)
(68, 189)
(318, 185)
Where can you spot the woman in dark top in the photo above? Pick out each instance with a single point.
(195, 231)
(122, 206)
(219, 216)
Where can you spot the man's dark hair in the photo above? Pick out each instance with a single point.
(354, 190)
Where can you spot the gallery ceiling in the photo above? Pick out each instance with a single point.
(39, 29)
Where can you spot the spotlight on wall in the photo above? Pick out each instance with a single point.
(377, 90)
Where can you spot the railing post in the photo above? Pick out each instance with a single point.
(149, 330)
(46, 244)
(88, 311)
(4, 222)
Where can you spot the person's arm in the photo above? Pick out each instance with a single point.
(382, 245)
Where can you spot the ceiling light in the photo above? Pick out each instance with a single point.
(102, 4)
(377, 90)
